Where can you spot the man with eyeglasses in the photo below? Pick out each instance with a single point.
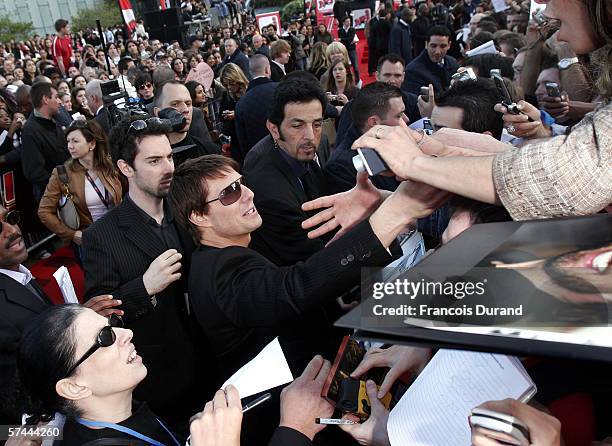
(242, 300)
(137, 251)
(21, 299)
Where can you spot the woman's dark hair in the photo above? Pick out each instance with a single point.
(46, 354)
(92, 131)
(76, 77)
(331, 81)
(191, 86)
(172, 65)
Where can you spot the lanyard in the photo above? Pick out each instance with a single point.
(95, 186)
(127, 430)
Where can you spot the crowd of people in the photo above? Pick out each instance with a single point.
(211, 219)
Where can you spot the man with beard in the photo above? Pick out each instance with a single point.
(283, 171)
(136, 251)
(174, 94)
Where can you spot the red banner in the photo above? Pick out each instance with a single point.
(128, 14)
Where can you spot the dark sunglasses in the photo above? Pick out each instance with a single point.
(105, 338)
(141, 124)
(145, 85)
(230, 194)
(12, 218)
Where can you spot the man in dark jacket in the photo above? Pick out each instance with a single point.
(420, 27)
(252, 109)
(44, 143)
(341, 10)
(235, 56)
(433, 65)
(346, 34)
(400, 40)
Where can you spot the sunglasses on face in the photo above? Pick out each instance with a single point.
(106, 338)
(12, 218)
(146, 85)
(230, 194)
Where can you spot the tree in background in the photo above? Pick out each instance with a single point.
(107, 12)
(10, 30)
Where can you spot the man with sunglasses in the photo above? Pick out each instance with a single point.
(242, 300)
(138, 252)
(21, 299)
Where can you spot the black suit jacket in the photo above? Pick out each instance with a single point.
(277, 73)
(252, 113)
(242, 300)
(103, 118)
(285, 436)
(278, 198)
(18, 306)
(118, 250)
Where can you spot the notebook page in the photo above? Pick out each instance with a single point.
(434, 410)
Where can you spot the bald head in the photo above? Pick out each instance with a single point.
(259, 66)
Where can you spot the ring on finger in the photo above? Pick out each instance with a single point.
(511, 128)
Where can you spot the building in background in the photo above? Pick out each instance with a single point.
(43, 13)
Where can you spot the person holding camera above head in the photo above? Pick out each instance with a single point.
(93, 183)
(173, 102)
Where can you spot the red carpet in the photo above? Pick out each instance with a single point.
(362, 51)
(43, 271)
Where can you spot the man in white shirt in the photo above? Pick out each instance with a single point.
(21, 300)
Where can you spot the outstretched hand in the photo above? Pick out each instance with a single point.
(343, 210)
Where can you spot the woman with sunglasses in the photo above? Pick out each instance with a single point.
(93, 182)
(84, 366)
(144, 87)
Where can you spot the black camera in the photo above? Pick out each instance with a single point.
(175, 118)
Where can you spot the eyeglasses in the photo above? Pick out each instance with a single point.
(141, 124)
(106, 338)
(146, 85)
(12, 218)
(230, 194)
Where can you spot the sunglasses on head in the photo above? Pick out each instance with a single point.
(12, 218)
(106, 338)
(230, 194)
(141, 124)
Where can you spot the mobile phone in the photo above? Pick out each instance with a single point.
(507, 100)
(427, 126)
(368, 160)
(425, 93)
(503, 423)
(552, 90)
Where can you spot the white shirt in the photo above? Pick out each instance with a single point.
(23, 276)
(95, 205)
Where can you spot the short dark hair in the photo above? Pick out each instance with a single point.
(438, 31)
(123, 145)
(142, 79)
(159, 91)
(46, 354)
(295, 89)
(39, 91)
(484, 63)
(373, 99)
(189, 188)
(481, 38)
(488, 26)
(123, 63)
(476, 99)
(60, 23)
(391, 58)
(480, 212)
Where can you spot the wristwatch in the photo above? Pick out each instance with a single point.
(564, 64)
